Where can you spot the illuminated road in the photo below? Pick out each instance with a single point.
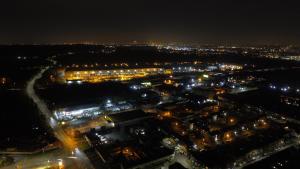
(245, 161)
(69, 144)
(248, 161)
(43, 160)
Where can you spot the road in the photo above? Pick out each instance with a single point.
(248, 161)
(44, 160)
(68, 143)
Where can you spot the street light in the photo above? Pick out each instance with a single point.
(60, 164)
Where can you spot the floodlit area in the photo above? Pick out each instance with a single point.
(96, 76)
(77, 114)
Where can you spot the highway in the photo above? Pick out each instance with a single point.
(70, 146)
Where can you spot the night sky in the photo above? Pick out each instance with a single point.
(103, 21)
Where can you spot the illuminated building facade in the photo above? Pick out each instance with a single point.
(84, 112)
(96, 76)
(225, 67)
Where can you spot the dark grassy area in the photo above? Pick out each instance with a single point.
(21, 125)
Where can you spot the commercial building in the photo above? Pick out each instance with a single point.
(78, 112)
(96, 76)
(91, 110)
(133, 143)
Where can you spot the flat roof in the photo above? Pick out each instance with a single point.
(129, 115)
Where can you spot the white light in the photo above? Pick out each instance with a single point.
(60, 163)
(134, 87)
(216, 138)
(188, 87)
(205, 75)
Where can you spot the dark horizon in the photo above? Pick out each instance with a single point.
(229, 22)
(152, 44)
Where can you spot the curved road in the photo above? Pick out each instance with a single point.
(58, 132)
(68, 142)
